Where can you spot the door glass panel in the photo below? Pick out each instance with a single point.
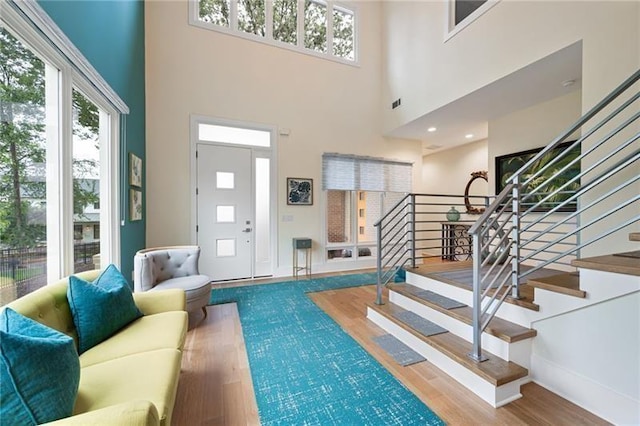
(224, 180)
(262, 234)
(225, 214)
(23, 170)
(86, 181)
(226, 247)
(233, 135)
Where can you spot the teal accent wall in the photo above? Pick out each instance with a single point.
(110, 34)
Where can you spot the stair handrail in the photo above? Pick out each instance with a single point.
(511, 208)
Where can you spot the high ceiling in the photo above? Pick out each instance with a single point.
(538, 82)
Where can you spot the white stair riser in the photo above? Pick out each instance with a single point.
(495, 396)
(518, 352)
(599, 285)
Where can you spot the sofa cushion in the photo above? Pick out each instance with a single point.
(165, 330)
(151, 376)
(39, 371)
(101, 308)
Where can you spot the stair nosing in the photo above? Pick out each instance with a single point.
(542, 284)
(529, 333)
(604, 263)
(473, 366)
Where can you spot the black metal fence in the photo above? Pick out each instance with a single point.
(23, 270)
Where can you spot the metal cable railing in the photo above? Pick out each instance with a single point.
(540, 218)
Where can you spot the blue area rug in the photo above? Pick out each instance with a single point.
(306, 370)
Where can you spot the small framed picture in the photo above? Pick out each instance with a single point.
(135, 205)
(135, 170)
(299, 191)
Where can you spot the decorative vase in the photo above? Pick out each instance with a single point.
(453, 215)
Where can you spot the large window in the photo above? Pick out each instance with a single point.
(359, 190)
(58, 160)
(318, 27)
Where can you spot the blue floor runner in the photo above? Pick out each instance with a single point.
(306, 370)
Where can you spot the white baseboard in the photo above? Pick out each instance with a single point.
(583, 391)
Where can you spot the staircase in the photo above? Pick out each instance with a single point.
(506, 311)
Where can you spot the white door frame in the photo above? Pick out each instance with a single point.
(194, 120)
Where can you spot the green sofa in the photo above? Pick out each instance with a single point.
(132, 377)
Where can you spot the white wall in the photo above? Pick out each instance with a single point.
(591, 357)
(531, 128)
(448, 172)
(327, 106)
(429, 72)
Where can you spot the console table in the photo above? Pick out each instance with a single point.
(302, 245)
(456, 241)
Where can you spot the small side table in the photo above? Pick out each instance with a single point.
(456, 242)
(302, 245)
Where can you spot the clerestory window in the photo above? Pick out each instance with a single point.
(317, 27)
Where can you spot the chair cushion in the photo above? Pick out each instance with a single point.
(166, 330)
(101, 308)
(193, 285)
(39, 371)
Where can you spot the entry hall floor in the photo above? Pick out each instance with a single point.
(215, 385)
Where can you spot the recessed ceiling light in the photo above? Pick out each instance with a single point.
(468, 135)
(431, 129)
(568, 83)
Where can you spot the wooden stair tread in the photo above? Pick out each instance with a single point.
(494, 370)
(610, 263)
(634, 236)
(526, 291)
(498, 327)
(565, 283)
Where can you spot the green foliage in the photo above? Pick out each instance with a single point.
(215, 12)
(23, 146)
(315, 26)
(252, 19)
(285, 21)
(251, 16)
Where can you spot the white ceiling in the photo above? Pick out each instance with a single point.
(535, 83)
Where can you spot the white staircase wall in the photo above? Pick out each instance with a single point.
(591, 356)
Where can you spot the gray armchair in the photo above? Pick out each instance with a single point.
(173, 267)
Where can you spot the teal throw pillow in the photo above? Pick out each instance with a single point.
(39, 371)
(101, 308)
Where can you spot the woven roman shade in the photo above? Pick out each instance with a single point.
(358, 173)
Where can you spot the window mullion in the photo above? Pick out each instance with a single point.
(268, 20)
(66, 172)
(330, 28)
(233, 15)
(301, 24)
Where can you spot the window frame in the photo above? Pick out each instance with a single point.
(451, 29)
(268, 39)
(66, 69)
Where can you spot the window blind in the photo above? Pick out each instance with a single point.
(357, 173)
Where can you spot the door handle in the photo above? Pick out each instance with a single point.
(246, 230)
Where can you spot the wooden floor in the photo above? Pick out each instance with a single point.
(215, 385)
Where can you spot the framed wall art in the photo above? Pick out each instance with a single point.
(299, 191)
(135, 170)
(135, 205)
(507, 165)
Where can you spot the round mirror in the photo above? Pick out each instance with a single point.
(479, 189)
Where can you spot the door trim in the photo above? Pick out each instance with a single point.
(272, 152)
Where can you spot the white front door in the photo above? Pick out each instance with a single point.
(225, 211)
